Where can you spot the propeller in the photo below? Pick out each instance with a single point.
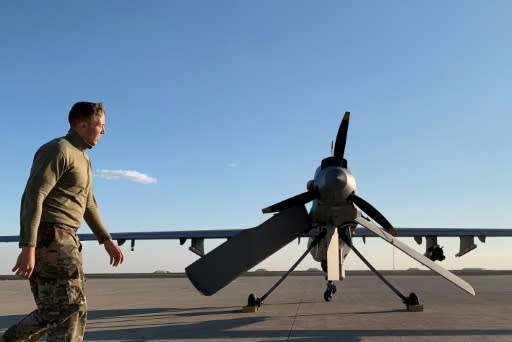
(341, 140)
(336, 160)
(291, 202)
(245, 250)
(373, 213)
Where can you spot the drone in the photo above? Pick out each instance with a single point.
(330, 224)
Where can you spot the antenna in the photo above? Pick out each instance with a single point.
(332, 146)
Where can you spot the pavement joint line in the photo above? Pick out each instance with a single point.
(296, 314)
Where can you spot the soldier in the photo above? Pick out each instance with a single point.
(58, 195)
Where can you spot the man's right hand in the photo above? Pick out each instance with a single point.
(114, 251)
(25, 263)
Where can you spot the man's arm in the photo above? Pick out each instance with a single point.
(47, 167)
(93, 219)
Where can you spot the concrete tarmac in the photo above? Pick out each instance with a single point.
(363, 309)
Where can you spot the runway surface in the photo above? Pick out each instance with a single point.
(363, 309)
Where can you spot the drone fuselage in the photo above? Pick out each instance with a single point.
(331, 210)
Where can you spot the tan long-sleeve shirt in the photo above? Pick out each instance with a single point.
(59, 190)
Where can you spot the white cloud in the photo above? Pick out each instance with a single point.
(232, 165)
(130, 175)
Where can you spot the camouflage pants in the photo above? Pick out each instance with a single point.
(57, 285)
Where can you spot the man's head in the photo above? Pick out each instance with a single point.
(88, 120)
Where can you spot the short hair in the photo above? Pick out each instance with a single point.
(82, 111)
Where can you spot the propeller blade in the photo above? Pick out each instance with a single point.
(417, 256)
(341, 139)
(291, 202)
(373, 213)
(245, 250)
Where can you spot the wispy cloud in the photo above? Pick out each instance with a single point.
(130, 175)
(232, 165)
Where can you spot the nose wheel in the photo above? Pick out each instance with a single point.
(330, 291)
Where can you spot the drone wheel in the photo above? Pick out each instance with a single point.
(330, 291)
(253, 300)
(413, 299)
(327, 295)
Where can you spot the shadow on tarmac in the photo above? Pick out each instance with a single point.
(137, 325)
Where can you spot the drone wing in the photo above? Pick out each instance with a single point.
(245, 250)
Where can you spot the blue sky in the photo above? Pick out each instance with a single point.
(229, 106)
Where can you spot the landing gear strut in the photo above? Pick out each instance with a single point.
(331, 287)
(411, 302)
(254, 302)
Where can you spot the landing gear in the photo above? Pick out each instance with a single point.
(253, 300)
(331, 287)
(254, 303)
(411, 302)
(330, 291)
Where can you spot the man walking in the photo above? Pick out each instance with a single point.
(58, 195)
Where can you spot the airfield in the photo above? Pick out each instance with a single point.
(166, 307)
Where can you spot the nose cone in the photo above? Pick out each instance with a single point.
(335, 179)
(334, 184)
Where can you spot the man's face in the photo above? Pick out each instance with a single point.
(93, 129)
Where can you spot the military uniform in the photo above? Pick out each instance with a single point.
(57, 197)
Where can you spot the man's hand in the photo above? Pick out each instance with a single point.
(25, 263)
(114, 251)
